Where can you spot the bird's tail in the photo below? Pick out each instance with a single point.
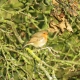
(24, 46)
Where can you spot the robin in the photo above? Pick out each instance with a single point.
(38, 39)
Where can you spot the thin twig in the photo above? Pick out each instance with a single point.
(13, 25)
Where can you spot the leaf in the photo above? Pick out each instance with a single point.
(62, 25)
(53, 28)
(72, 12)
(55, 2)
(69, 28)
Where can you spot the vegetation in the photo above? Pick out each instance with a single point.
(59, 59)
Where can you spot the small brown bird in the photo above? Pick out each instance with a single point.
(38, 39)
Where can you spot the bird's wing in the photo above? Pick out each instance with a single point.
(34, 39)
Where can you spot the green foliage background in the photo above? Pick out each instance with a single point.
(19, 19)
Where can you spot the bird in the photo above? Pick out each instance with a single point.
(38, 39)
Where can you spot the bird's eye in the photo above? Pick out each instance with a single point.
(44, 33)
